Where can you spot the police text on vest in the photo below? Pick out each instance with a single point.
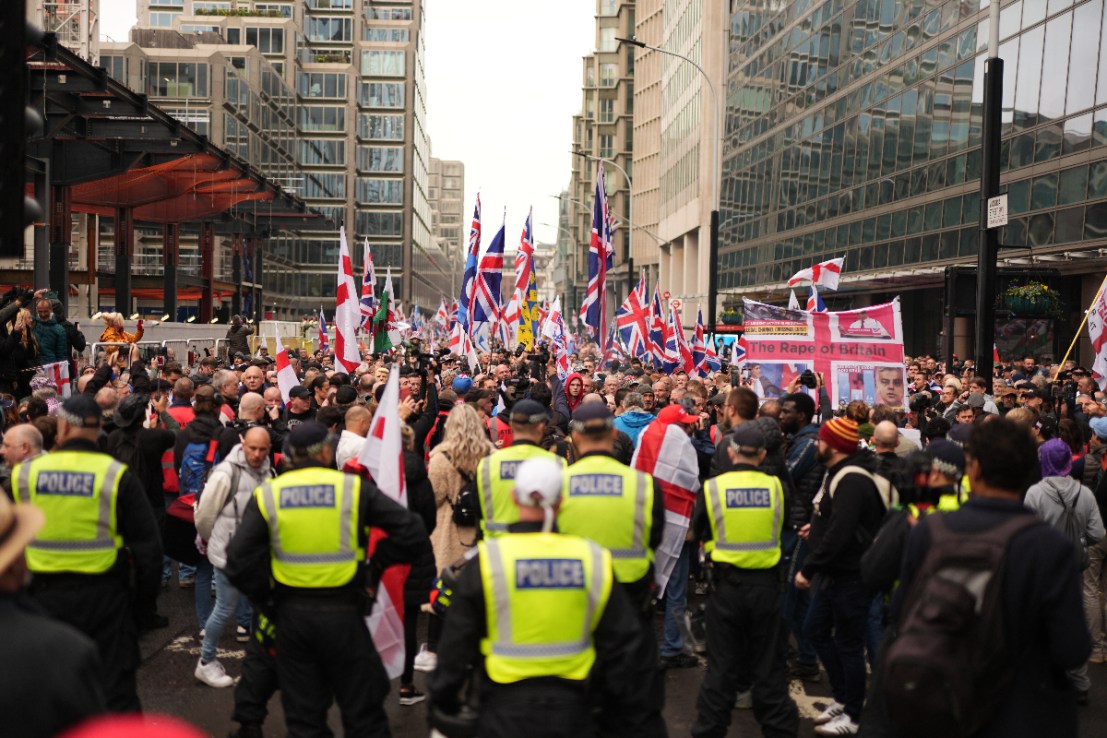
(318, 495)
(748, 497)
(507, 469)
(70, 484)
(549, 574)
(585, 485)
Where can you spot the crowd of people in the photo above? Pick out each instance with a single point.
(553, 527)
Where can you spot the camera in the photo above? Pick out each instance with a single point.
(807, 379)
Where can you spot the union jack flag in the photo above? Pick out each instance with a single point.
(368, 302)
(632, 319)
(323, 341)
(699, 349)
(554, 329)
(469, 280)
(487, 302)
(656, 336)
(712, 359)
(442, 317)
(593, 311)
(738, 351)
(677, 353)
(614, 350)
(815, 303)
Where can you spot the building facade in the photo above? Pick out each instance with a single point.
(446, 196)
(854, 129)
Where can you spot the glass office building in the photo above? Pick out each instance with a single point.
(854, 128)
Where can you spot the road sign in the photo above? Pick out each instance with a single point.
(675, 304)
(997, 211)
(666, 294)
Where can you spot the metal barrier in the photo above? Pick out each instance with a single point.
(196, 348)
(179, 354)
(218, 351)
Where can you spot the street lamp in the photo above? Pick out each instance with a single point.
(713, 248)
(628, 258)
(989, 187)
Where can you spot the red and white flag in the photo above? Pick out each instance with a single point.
(665, 451)
(347, 313)
(1097, 333)
(383, 455)
(824, 274)
(58, 373)
(286, 375)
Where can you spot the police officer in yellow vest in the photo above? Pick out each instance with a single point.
(300, 553)
(551, 634)
(496, 473)
(99, 534)
(740, 517)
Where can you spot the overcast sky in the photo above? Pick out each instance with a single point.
(503, 82)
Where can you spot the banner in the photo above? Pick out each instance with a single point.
(859, 352)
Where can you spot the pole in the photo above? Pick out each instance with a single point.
(1079, 330)
(989, 187)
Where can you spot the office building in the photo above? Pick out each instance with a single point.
(446, 197)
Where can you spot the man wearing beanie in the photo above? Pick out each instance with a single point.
(848, 510)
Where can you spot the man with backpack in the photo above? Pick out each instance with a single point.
(1002, 672)
(848, 510)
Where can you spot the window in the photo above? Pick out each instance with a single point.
(607, 110)
(385, 35)
(607, 40)
(388, 13)
(322, 118)
(380, 159)
(607, 145)
(170, 79)
(608, 7)
(267, 40)
(328, 29)
(198, 7)
(324, 185)
(383, 63)
(380, 191)
(162, 20)
(319, 84)
(607, 75)
(234, 36)
(380, 224)
(330, 4)
(381, 94)
(380, 127)
(322, 151)
(116, 67)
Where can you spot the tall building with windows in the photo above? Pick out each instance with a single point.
(854, 129)
(446, 196)
(356, 69)
(604, 129)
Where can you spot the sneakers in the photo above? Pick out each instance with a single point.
(241, 634)
(744, 701)
(805, 672)
(1099, 655)
(411, 696)
(679, 661)
(425, 660)
(213, 674)
(188, 583)
(833, 710)
(841, 725)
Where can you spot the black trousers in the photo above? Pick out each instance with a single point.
(411, 642)
(325, 654)
(101, 607)
(258, 684)
(537, 709)
(745, 607)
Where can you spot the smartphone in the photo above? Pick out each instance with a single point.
(404, 393)
(51, 295)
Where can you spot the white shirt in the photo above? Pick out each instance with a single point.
(349, 446)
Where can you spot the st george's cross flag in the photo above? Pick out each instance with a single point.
(665, 452)
(286, 375)
(1097, 334)
(382, 455)
(824, 274)
(346, 313)
(58, 373)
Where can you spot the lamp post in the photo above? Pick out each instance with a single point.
(713, 247)
(628, 258)
(989, 187)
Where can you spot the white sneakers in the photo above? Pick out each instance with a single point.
(833, 710)
(213, 674)
(841, 725)
(241, 634)
(425, 660)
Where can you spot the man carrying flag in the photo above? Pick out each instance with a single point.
(301, 545)
(286, 375)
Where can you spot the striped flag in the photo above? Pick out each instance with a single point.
(487, 301)
(442, 317)
(469, 279)
(382, 454)
(346, 318)
(815, 303)
(324, 342)
(368, 303)
(593, 311)
(286, 376)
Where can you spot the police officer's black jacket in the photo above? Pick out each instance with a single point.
(248, 558)
(618, 674)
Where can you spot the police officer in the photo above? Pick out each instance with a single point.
(98, 526)
(740, 516)
(538, 614)
(306, 531)
(496, 473)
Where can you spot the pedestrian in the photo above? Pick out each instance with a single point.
(49, 334)
(226, 495)
(99, 537)
(847, 514)
(52, 678)
(740, 515)
(537, 612)
(238, 337)
(301, 545)
(114, 333)
(19, 352)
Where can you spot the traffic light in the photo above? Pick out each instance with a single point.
(17, 122)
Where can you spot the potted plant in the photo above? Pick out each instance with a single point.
(731, 316)
(1033, 300)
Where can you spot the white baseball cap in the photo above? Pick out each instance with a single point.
(538, 483)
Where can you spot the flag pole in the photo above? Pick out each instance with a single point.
(1080, 330)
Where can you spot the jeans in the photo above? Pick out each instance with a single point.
(676, 599)
(794, 602)
(204, 606)
(228, 604)
(836, 624)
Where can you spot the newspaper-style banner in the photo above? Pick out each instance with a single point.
(859, 352)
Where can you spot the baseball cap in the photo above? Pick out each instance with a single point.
(80, 411)
(528, 412)
(747, 437)
(345, 395)
(299, 391)
(675, 414)
(1099, 427)
(462, 385)
(538, 482)
(592, 416)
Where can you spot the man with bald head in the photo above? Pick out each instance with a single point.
(253, 380)
(885, 440)
(251, 414)
(180, 407)
(352, 439)
(21, 442)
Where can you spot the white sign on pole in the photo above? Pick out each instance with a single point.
(997, 211)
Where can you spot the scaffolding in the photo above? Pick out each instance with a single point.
(76, 23)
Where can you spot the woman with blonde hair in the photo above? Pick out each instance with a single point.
(114, 333)
(19, 350)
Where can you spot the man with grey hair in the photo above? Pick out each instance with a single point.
(225, 383)
(21, 442)
(633, 419)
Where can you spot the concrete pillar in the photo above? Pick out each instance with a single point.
(962, 337)
(124, 246)
(207, 271)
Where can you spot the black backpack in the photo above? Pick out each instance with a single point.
(466, 505)
(948, 669)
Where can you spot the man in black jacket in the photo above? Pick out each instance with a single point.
(848, 511)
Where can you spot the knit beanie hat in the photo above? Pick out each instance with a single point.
(1055, 457)
(840, 434)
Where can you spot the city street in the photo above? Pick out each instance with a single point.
(166, 685)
